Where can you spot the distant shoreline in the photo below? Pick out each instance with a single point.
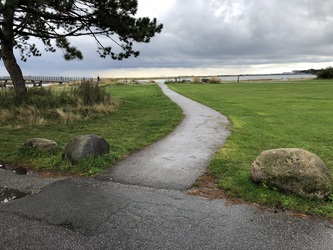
(211, 76)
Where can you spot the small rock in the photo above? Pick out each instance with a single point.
(41, 145)
(84, 146)
(293, 170)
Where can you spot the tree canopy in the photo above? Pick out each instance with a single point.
(326, 73)
(111, 23)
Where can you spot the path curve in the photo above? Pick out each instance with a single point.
(179, 159)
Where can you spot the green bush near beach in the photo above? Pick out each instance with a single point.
(295, 114)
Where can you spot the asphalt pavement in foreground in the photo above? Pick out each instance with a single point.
(108, 212)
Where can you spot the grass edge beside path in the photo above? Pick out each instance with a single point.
(145, 116)
(265, 116)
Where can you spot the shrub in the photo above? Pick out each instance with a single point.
(45, 98)
(215, 80)
(41, 98)
(325, 73)
(7, 98)
(45, 105)
(90, 93)
(196, 79)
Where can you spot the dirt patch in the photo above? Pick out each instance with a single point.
(55, 174)
(18, 169)
(23, 169)
(206, 186)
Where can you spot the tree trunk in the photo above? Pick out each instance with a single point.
(14, 71)
(7, 52)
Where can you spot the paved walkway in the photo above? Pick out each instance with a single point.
(178, 160)
(97, 213)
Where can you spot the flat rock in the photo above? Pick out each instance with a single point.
(41, 144)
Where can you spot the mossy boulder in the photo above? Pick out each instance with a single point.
(40, 145)
(84, 146)
(293, 170)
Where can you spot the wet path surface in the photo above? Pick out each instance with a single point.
(96, 213)
(86, 214)
(178, 160)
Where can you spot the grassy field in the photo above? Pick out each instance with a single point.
(265, 116)
(145, 116)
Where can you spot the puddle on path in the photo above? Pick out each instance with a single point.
(9, 194)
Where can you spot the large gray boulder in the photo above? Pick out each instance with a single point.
(293, 170)
(84, 146)
(41, 145)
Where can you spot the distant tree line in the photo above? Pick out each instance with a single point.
(326, 73)
(310, 71)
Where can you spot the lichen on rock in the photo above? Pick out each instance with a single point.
(293, 170)
(41, 145)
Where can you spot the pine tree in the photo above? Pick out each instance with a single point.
(54, 21)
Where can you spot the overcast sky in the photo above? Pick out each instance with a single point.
(207, 37)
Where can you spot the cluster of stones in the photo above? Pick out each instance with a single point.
(80, 147)
(293, 170)
(290, 170)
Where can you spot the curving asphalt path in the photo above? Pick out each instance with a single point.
(178, 160)
(97, 213)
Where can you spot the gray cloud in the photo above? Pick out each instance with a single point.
(218, 33)
(254, 30)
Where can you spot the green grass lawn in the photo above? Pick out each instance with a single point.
(145, 116)
(266, 116)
